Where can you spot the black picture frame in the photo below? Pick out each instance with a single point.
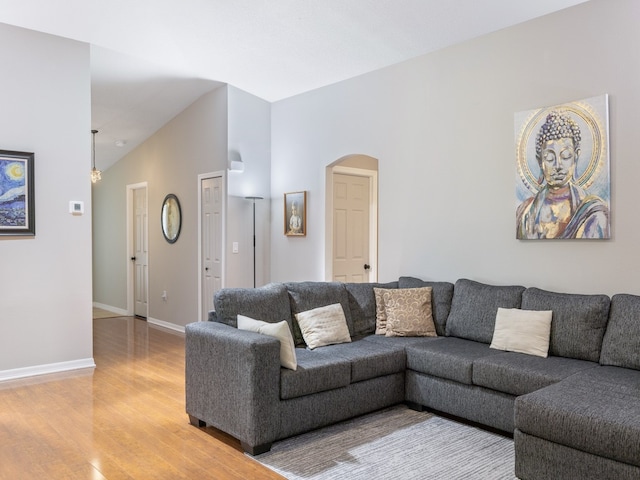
(17, 194)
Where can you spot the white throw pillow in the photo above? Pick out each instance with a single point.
(523, 331)
(324, 326)
(278, 330)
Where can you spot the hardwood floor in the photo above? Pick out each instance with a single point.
(124, 420)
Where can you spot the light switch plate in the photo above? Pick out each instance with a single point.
(76, 207)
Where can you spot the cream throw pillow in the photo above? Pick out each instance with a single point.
(278, 330)
(408, 312)
(324, 326)
(522, 331)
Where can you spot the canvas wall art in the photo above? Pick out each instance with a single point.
(563, 188)
(295, 214)
(17, 207)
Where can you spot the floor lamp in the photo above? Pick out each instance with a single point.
(253, 199)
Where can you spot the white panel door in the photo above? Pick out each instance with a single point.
(211, 227)
(140, 252)
(351, 210)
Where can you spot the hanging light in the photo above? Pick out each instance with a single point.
(96, 175)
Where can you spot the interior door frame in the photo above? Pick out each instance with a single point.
(201, 177)
(130, 228)
(373, 218)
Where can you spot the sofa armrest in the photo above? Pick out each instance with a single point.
(233, 381)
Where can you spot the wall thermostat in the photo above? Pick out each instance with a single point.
(76, 208)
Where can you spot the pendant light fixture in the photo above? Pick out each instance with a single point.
(96, 175)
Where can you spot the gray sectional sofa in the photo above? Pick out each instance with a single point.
(574, 414)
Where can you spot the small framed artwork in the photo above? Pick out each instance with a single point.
(295, 214)
(17, 204)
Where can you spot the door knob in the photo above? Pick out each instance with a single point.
(133, 258)
(367, 266)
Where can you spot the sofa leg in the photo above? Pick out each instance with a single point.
(257, 450)
(196, 422)
(414, 406)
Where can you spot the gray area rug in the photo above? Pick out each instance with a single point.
(395, 443)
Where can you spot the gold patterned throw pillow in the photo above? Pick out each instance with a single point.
(381, 314)
(408, 312)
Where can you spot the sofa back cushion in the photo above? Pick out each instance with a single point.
(621, 344)
(441, 296)
(269, 303)
(304, 296)
(578, 322)
(362, 303)
(474, 308)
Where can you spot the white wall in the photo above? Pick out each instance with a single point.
(195, 142)
(442, 128)
(45, 284)
(192, 143)
(249, 129)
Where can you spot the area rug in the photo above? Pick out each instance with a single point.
(395, 443)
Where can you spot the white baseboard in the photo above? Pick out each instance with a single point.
(167, 325)
(46, 369)
(109, 308)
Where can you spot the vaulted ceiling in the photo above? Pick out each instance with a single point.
(152, 58)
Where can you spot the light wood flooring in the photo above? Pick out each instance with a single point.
(124, 420)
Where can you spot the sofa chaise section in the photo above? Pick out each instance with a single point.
(588, 425)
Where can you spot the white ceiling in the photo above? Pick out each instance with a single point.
(152, 58)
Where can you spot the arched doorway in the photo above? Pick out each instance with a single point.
(351, 243)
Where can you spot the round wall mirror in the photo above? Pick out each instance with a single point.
(171, 218)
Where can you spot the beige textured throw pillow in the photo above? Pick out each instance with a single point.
(522, 331)
(381, 314)
(324, 326)
(408, 312)
(278, 330)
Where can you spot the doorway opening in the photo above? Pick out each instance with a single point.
(138, 247)
(211, 235)
(351, 233)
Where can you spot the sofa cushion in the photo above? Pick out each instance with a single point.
(474, 308)
(316, 372)
(578, 323)
(441, 295)
(362, 303)
(451, 358)
(621, 344)
(399, 341)
(305, 296)
(278, 330)
(596, 411)
(517, 373)
(408, 312)
(269, 303)
(323, 326)
(522, 331)
(368, 359)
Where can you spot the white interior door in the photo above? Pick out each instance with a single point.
(351, 214)
(140, 252)
(212, 250)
